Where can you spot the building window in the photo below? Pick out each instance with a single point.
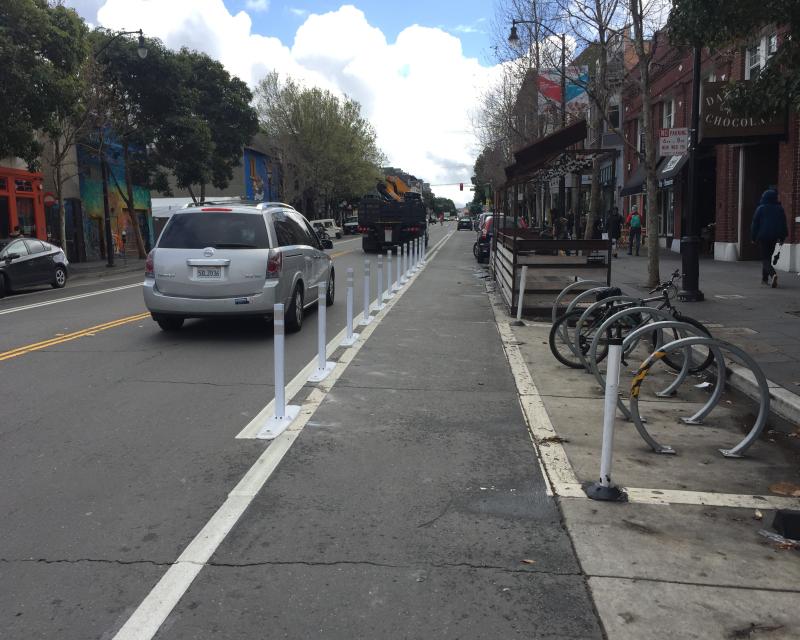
(640, 136)
(3, 184)
(667, 211)
(668, 114)
(613, 116)
(23, 186)
(758, 54)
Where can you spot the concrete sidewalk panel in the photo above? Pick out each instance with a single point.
(637, 609)
(717, 546)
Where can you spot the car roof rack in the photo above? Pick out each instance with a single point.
(240, 201)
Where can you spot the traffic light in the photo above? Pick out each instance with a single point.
(460, 186)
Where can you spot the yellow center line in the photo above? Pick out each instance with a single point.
(90, 331)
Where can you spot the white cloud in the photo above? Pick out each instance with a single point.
(418, 91)
(257, 5)
(300, 13)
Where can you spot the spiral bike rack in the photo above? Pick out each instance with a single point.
(717, 347)
(632, 339)
(566, 289)
(565, 334)
(576, 347)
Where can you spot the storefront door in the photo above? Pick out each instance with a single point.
(5, 217)
(760, 174)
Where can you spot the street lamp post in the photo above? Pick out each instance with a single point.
(690, 242)
(513, 39)
(141, 51)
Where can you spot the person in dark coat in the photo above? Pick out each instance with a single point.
(768, 229)
(614, 228)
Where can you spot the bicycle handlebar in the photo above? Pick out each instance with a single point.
(664, 285)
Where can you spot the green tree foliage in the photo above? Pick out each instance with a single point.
(725, 24)
(42, 48)
(328, 149)
(444, 205)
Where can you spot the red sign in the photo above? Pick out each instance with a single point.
(49, 199)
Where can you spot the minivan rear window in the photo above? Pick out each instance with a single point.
(221, 230)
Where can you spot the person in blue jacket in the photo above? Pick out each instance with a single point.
(768, 229)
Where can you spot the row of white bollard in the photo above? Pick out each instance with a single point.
(410, 258)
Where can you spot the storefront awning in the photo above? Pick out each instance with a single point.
(670, 167)
(536, 155)
(635, 183)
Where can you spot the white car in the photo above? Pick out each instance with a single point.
(218, 260)
(331, 228)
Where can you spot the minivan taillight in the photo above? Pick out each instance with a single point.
(274, 264)
(148, 266)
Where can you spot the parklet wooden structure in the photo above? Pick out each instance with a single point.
(552, 263)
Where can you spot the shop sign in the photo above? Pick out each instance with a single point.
(586, 179)
(673, 142)
(718, 122)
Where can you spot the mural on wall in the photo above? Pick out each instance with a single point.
(91, 185)
(261, 177)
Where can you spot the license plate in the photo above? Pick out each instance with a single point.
(387, 235)
(208, 273)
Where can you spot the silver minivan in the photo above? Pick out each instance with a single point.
(237, 260)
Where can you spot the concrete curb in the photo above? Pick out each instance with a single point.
(782, 402)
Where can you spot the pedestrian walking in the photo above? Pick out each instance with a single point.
(614, 229)
(768, 229)
(634, 231)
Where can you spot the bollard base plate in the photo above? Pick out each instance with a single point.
(380, 307)
(349, 342)
(274, 427)
(320, 374)
(516, 323)
(597, 491)
(365, 321)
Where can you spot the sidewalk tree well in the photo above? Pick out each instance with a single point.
(328, 149)
(731, 24)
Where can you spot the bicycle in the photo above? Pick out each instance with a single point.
(565, 347)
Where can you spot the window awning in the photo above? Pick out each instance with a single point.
(635, 183)
(671, 167)
(536, 155)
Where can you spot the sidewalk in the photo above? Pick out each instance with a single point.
(411, 504)
(765, 322)
(684, 557)
(99, 268)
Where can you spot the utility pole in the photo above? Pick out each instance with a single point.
(690, 242)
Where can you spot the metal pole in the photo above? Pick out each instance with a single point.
(604, 490)
(690, 242)
(280, 399)
(562, 187)
(522, 284)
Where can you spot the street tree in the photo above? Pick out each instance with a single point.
(730, 24)
(327, 147)
(42, 48)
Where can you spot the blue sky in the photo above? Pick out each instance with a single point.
(469, 20)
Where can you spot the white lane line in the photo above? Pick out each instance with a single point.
(36, 305)
(145, 622)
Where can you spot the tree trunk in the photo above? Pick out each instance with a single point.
(62, 217)
(134, 218)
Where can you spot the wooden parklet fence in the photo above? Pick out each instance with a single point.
(552, 265)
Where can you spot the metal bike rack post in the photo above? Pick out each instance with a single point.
(567, 289)
(576, 348)
(523, 277)
(351, 337)
(324, 367)
(379, 306)
(716, 346)
(282, 414)
(367, 318)
(604, 489)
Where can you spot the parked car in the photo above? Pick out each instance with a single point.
(464, 223)
(350, 226)
(480, 219)
(333, 229)
(28, 262)
(236, 260)
(484, 242)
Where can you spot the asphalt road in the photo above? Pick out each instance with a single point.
(411, 506)
(117, 441)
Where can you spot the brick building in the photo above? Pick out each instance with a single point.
(738, 156)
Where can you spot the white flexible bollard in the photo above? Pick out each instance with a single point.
(379, 306)
(324, 367)
(388, 295)
(408, 261)
(399, 267)
(282, 415)
(604, 489)
(404, 261)
(351, 337)
(523, 277)
(414, 255)
(424, 245)
(367, 318)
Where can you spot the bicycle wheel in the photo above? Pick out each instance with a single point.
(675, 360)
(561, 339)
